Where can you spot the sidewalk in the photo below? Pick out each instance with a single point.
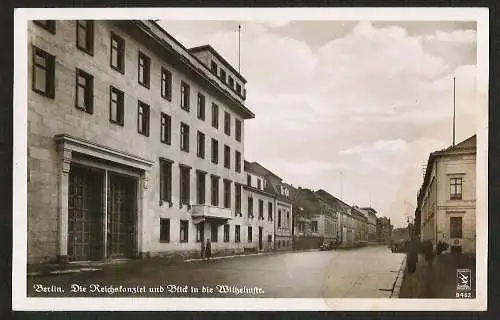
(440, 281)
(77, 267)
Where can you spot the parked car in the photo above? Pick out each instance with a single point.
(326, 245)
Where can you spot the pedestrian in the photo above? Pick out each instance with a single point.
(202, 253)
(208, 249)
(412, 255)
(428, 249)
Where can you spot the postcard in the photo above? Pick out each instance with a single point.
(250, 159)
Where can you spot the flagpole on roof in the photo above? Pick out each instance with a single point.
(239, 48)
(453, 111)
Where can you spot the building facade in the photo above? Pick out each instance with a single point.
(135, 143)
(259, 210)
(446, 201)
(282, 206)
(371, 215)
(384, 229)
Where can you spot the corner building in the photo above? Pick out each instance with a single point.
(135, 143)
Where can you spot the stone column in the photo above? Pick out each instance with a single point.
(63, 180)
(143, 186)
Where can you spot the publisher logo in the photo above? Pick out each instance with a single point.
(464, 280)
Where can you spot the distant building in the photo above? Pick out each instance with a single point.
(258, 210)
(446, 201)
(281, 206)
(360, 224)
(371, 215)
(384, 229)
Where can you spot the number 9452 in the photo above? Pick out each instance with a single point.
(463, 295)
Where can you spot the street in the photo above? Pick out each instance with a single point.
(368, 272)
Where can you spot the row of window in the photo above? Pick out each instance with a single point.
(44, 79)
(261, 209)
(229, 80)
(200, 232)
(84, 101)
(185, 186)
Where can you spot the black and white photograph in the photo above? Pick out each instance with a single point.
(257, 159)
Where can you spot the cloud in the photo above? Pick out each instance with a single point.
(372, 101)
(459, 36)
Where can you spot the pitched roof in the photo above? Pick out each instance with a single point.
(335, 203)
(308, 200)
(468, 144)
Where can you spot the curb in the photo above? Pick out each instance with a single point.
(399, 280)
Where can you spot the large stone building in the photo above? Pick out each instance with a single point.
(135, 143)
(446, 201)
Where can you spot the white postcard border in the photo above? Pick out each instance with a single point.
(20, 301)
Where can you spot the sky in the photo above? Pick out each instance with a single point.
(351, 107)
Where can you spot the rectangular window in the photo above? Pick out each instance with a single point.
(237, 161)
(259, 184)
(238, 88)
(215, 190)
(314, 226)
(166, 128)
(215, 151)
(143, 118)
(201, 107)
(213, 67)
(117, 53)
(237, 233)
(166, 84)
(237, 197)
(227, 194)
(200, 187)
(270, 211)
(144, 68)
(261, 209)
(43, 73)
(184, 231)
(85, 36)
(184, 137)
(237, 123)
(84, 91)
(227, 123)
(249, 234)
(185, 96)
(201, 145)
(269, 238)
(226, 233)
(214, 234)
(227, 157)
(250, 207)
(455, 227)
(249, 180)
(222, 75)
(455, 188)
(279, 218)
(184, 184)
(215, 116)
(165, 180)
(200, 232)
(164, 230)
(49, 25)
(231, 82)
(116, 105)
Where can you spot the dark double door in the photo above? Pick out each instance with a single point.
(93, 234)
